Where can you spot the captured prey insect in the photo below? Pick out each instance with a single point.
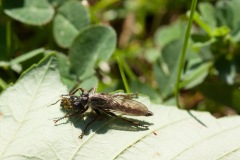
(103, 103)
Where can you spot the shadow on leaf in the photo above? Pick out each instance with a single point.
(104, 122)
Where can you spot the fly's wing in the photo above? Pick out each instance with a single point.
(130, 107)
(122, 104)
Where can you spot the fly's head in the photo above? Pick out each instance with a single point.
(66, 103)
(73, 103)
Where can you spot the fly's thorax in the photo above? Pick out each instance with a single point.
(76, 102)
(99, 99)
(79, 103)
(84, 101)
(84, 98)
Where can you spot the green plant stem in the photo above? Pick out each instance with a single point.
(129, 72)
(184, 49)
(3, 84)
(8, 39)
(120, 65)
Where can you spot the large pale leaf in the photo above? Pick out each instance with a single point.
(27, 130)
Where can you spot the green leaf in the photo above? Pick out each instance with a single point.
(68, 78)
(27, 130)
(56, 3)
(225, 13)
(152, 54)
(202, 41)
(222, 93)
(226, 69)
(208, 14)
(25, 60)
(221, 31)
(89, 83)
(7, 47)
(166, 71)
(3, 84)
(145, 89)
(33, 12)
(207, 28)
(96, 43)
(168, 34)
(235, 11)
(71, 18)
(196, 75)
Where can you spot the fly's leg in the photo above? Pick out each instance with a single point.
(127, 120)
(72, 114)
(73, 92)
(54, 103)
(91, 122)
(66, 116)
(85, 129)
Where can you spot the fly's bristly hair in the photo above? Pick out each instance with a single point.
(106, 103)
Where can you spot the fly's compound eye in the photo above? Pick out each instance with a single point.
(65, 103)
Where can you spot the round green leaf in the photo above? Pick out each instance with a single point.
(195, 75)
(67, 78)
(93, 44)
(168, 34)
(70, 19)
(166, 71)
(33, 12)
(208, 14)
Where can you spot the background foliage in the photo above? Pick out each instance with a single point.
(91, 38)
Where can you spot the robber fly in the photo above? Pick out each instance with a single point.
(102, 103)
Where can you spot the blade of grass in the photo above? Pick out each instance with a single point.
(8, 40)
(120, 65)
(129, 72)
(183, 52)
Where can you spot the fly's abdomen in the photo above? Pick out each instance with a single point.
(132, 108)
